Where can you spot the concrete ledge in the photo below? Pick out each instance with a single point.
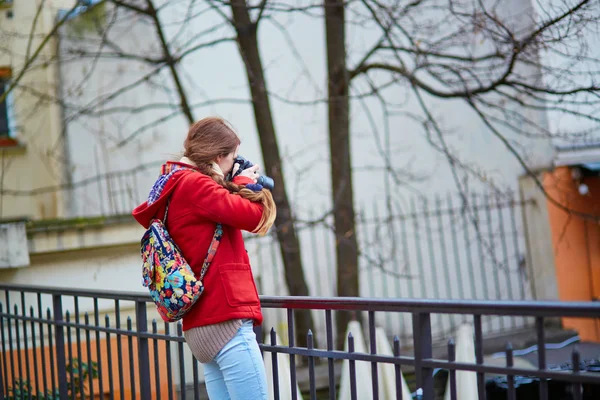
(82, 233)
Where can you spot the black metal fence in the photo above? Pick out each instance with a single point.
(54, 345)
(435, 248)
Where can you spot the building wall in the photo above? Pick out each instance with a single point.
(576, 245)
(38, 159)
(100, 144)
(215, 81)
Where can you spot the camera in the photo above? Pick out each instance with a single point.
(262, 180)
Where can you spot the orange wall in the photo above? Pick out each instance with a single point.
(576, 245)
(108, 369)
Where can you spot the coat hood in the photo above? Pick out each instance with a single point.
(154, 207)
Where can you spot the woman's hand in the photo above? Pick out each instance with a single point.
(248, 172)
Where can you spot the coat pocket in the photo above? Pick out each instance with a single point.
(238, 284)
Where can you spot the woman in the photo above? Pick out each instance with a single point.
(218, 328)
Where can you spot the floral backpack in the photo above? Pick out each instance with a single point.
(167, 275)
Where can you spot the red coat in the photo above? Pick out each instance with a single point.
(197, 204)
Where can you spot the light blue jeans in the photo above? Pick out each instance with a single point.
(237, 372)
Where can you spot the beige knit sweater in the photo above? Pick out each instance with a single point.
(206, 341)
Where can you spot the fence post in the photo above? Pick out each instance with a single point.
(1, 373)
(423, 350)
(59, 342)
(141, 323)
(258, 331)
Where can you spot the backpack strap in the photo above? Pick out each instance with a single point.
(212, 249)
(214, 244)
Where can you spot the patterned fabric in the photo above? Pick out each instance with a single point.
(167, 171)
(169, 278)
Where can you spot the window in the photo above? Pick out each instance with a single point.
(6, 117)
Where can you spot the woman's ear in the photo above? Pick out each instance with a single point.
(219, 158)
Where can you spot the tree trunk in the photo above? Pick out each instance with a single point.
(286, 233)
(341, 166)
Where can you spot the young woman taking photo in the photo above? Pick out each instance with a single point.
(199, 195)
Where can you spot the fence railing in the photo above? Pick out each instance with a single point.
(451, 246)
(54, 345)
(436, 249)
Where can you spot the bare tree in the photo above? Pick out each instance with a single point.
(427, 47)
(341, 164)
(289, 244)
(504, 64)
(98, 43)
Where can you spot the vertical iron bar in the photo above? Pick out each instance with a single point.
(452, 371)
(18, 338)
(373, 348)
(274, 366)
(181, 363)
(119, 350)
(541, 343)
(156, 361)
(329, 241)
(111, 386)
(576, 386)
(122, 193)
(432, 261)
(41, 326)
(4, 354)
(519, 268)
(25, 345)
(493, 254)
(510, 379)
(316, 259)
(168, 356)
(401, 269)
(195, 377)
(444, 265)
(70, 353)
(10, 338)
(331, 366)
(468, 253)
(51, 349)
(352, 366)
(438, 207)
(143, 349)
(367, 236)
(98, 347)
(34, 348)
(88, 349)
(484, 280)
(409, 282)
(290, 320)
(131, 358)
(479, 355)
(461, 289)
(516, 246)
(382, 274)
(418, 249)
(505, 257)
(79, 354)
(258, 333)
(311, 367)
(423, 350)
(397, 370)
